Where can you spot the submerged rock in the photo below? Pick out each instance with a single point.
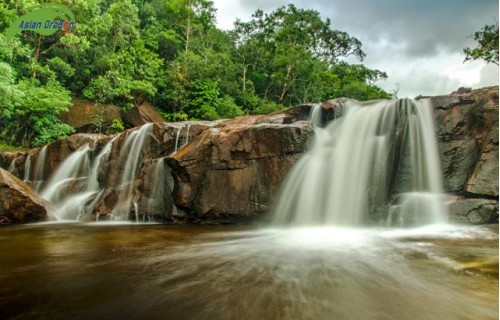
(19, 203)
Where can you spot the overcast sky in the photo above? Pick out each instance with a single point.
(417, 42)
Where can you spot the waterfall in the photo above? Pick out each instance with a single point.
(131, 153)
(67, 182)
(74, 188)
(38, 179)
(75, 205)
(186, 137)
(159, 201)
(12, 165)
(27, 169)
(358, 160)
(186, 140)
(177, 139)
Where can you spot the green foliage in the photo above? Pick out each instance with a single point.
(29, 113)
(171, 54)
(487, 48)
(6, 147)
(266, 107)
(285, 53)
(115, 127)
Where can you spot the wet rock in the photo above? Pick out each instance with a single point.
(475, 211)
(19, 203)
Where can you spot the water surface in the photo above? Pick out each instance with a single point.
(128, 271)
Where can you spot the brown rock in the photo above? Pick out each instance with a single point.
(137, 116)
(236, 168)
(19, 203)
(83, 112)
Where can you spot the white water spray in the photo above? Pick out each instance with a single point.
(132, 154)
(349, 168)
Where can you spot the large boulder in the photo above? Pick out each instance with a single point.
(19, 203)
(83, 114)
(237, 167)
(137, 116)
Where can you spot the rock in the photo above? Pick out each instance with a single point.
(484, 177)
(226, 170)
(82, 114)
(475, 211)
(19, 203)
(137, 116)
(236, 168)
(467, 124)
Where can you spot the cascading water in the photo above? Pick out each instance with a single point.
(131, 153)
(27, 168)
(69, 179)
(74, 188)
(186, 140)
(38, 178)
(12, 165)
(376, 153)
(186, 137)
(177, 134)
(83, 201)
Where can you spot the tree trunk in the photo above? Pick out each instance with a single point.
(37, 53)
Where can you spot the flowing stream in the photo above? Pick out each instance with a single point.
(134, 271)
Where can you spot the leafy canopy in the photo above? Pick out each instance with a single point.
(487, 48)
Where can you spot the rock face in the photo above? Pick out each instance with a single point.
(232, 169)
(236, 168)
(467, 123)
(19, 203)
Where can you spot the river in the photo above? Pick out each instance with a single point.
(152, 271)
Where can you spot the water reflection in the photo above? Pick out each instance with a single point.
(80, 271)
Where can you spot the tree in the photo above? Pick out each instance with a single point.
(283, 55)
(29, 113)
(487, 48)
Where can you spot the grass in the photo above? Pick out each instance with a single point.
(6, 147)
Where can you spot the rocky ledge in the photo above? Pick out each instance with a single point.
(230, 170)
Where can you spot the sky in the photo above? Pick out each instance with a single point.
(418, 43)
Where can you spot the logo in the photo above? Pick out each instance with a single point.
(42, 19)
